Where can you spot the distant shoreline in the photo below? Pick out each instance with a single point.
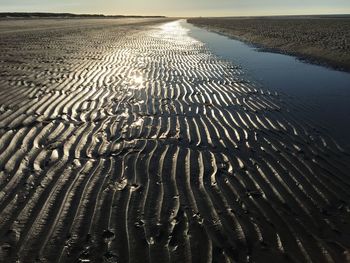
(321, 40)
(315, 16)
(10, 15)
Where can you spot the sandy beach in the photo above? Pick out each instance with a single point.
(323, 40)
(128, 141)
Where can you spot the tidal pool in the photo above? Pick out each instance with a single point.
(324, 91)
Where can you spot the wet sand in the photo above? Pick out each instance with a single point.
(325, 91)
(323, 40)
(133, 143)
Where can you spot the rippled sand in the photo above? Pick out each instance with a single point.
(130, 142)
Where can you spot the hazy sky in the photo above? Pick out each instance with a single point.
(180, 7)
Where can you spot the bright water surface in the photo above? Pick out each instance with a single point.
(325, 89)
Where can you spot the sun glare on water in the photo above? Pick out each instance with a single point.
(138, 80)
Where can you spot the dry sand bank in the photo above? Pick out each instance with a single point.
(7, 15)
(47, 25)
(132, 143)
(321, 40)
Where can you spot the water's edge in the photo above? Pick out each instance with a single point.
(325, 91)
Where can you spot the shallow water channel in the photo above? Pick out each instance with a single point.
(325, 92)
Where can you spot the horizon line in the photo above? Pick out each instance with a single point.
(165, 16)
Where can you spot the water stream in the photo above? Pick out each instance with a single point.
(325, 90)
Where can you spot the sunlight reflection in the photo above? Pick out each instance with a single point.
(174, 28)
(138, 80)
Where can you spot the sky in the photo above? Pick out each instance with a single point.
(180, 7)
